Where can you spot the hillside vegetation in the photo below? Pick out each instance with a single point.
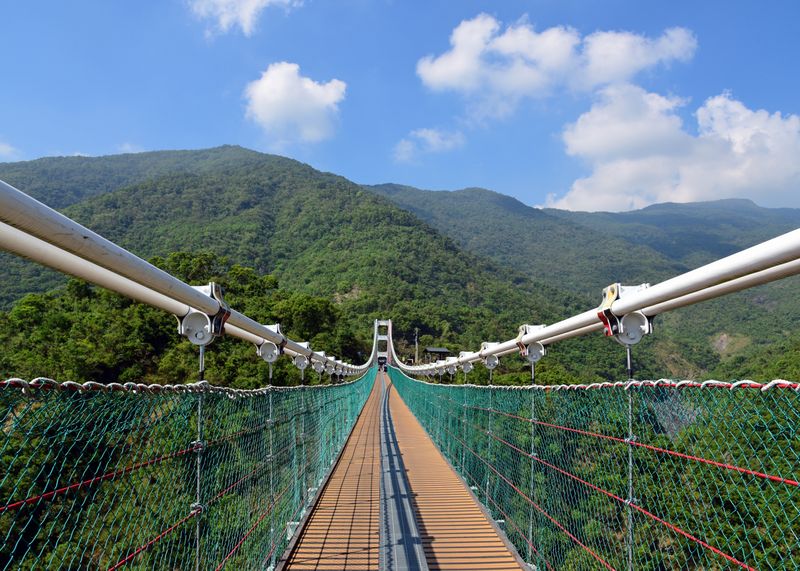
(461, 266)
(584, 252)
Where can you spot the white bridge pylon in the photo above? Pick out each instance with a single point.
(383, 350)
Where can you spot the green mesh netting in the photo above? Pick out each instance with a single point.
(183, 477)
(639, 475)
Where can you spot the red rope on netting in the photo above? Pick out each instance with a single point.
(260, 466)
(633, 505)
(254, 526)
(535, 505)
(513, 524)
(260, 519)
(53, 493)
(153, 541)
(724, 465)
(240, 433)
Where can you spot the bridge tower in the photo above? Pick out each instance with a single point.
(383, 336)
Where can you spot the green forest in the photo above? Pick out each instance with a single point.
(325, 257)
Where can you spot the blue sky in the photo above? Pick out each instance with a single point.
(583, 105)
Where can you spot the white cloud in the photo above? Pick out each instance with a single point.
(292, 108)
(618, 56)
(226, 14)
(496, 67)
(128, 147)
(7, 152)
(641, 153)
(426, 141)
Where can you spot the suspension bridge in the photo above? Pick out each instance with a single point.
(381, 468)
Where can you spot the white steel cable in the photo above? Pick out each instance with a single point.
(57, 241)
(769, 261)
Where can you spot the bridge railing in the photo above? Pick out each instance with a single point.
(637, 475)
(175, 477)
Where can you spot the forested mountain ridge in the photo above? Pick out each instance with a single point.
(585, 251)
(536, 242)
(61, 181)
(462, 266)
(319, 235)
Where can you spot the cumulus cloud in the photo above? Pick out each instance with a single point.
(496, 67)
(7, 152)
(292, 108)
(423, 141)
(640, 153)
(225, 14)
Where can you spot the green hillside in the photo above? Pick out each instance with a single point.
(462, 266)
(586, 251)
(694, 233)
(531, 240)
(61, 181)
(320, 235)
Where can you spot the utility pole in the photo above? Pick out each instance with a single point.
(416, 345)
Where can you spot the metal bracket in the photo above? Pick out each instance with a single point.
(610, 321)
(615, 291)
(632, 327)
(523, 331)
(200, 328)
(489, 361)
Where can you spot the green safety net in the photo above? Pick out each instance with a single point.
(177, 477)
(638, 475)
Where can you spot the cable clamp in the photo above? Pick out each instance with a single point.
(201, 328)
(632, 501)
(610, 321)
(630, 439)
(197, 507)
(198, 446)
(630, 328)
(534, 350)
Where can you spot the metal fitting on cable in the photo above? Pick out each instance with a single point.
(630, 328)
(200, 328)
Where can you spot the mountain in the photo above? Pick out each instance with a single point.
(584, 252)
(61, 181)
(318, 233)
(462, 266)
(695, 233)
(538, 243)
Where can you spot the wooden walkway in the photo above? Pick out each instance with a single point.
(455, 532)
(343, 531)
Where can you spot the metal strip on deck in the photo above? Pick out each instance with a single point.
(455, 532)
(343, 531)
(401, 544)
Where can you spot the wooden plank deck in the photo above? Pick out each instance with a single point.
(455, 532)
(343, 531)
